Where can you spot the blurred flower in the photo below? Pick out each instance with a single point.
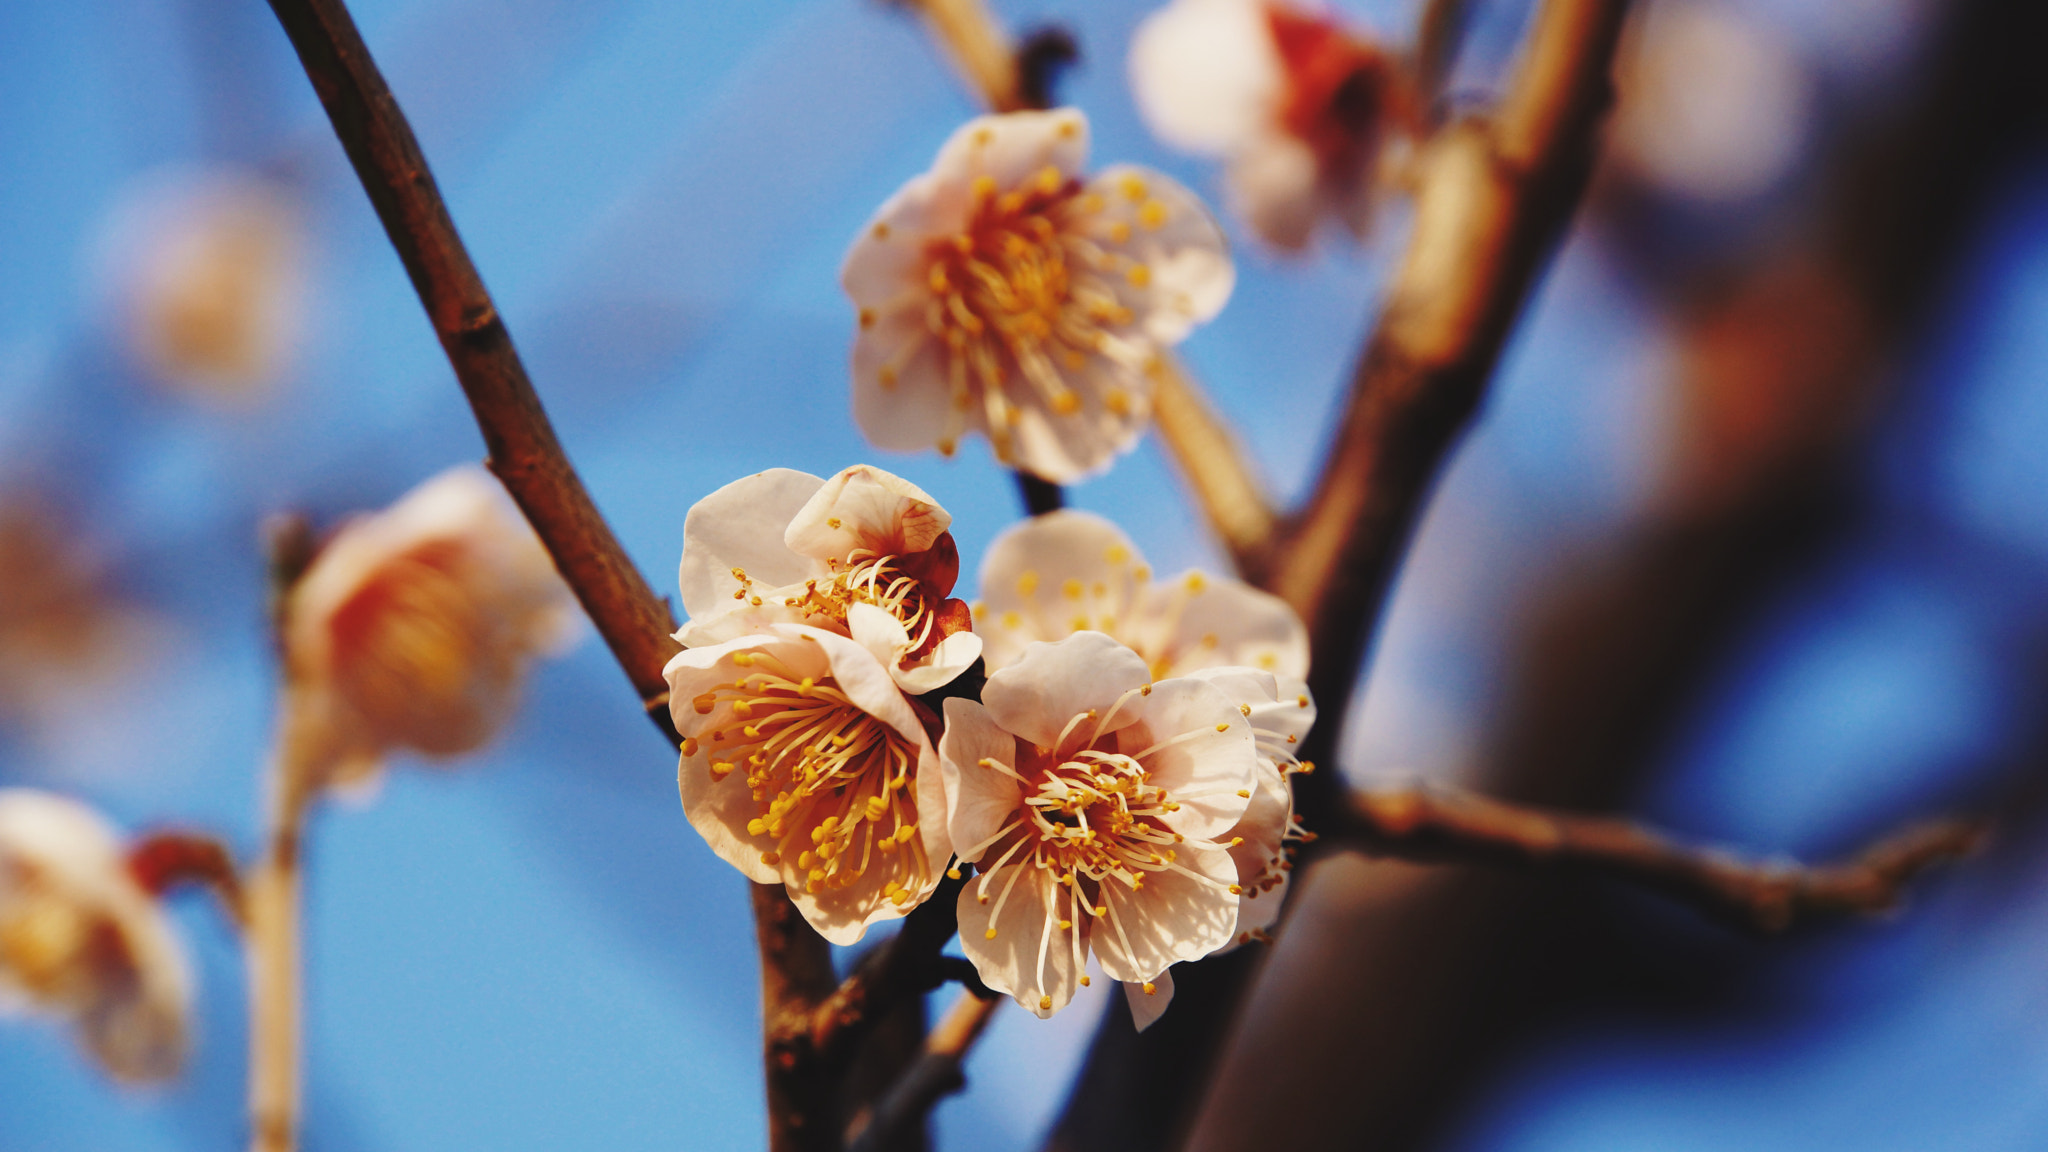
(1298, 107)
(804, 765)
(1067, 571)
(1003, 293)
(62, 630)
(865, 554)
(1710, 106)
(210, 273)
(82, 940)
(1101, 806)
(413, 627)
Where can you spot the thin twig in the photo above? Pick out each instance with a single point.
(936, 1075)
(1494, 200)
(979, 48)
(1213, 465)
(168, 859)
(524, 452)
(271, 936)
(1429, 823)
(528, 458)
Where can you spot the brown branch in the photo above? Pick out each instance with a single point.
(935, 1076)
(1213, 465)
(524, 452)
(796, 967)
(1435, 824)
(978, 47)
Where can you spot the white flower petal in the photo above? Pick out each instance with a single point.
(1226, 622)
(880, 632)
(1052, 683)
(741, 526)
(1147, 1007)
(1205, 74)
(888, 256)
(1172, 235)
(979, 800)
(902, 398)
(864, 507)
(1012, 147)
(1025, 589)
(1029, 957)
(1206, 753)
(1174, 917)
(941, 666)
(1274, 184)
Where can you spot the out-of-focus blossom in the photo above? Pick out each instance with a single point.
(1711, 107)
(1068, 571)
(1005, 292)
(63, 632)
(1298, 107)
(413, 627)
(865, 554)
(210, 275)
(1102, 808)
(82, 940)
(804, 765)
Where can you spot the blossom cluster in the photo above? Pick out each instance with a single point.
(1120, 784)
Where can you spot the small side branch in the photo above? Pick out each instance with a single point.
(1437, 824)
(1213, 465)
(979, 48)
(936, 1075)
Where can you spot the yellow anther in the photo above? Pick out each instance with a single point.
(982, 137)
(720, 769)
(1050, 178)
(1045, 1003)
(952, 873)
(1027, 583)
(704, 704)
(1117, 554)
(1100, 910)
(880, 231)
(1152, 214)
(991, 933)
(1066, 924)
(1066, 402)
(1138, 275)
(1151, 988)
(1246, 709)
(1301, 701)
(832, 522)
(1223, 727)
(886, 376)
(1236, 840)
(771, 858)
(1145, 691)
(1012, 620)
(1242, 792)
(1120, 233)
(1084, 981)
(1068, 129)
(948, 447)
(1133, 186)
(984, 186)
(867, 317)
(757, 827)
(690, 745)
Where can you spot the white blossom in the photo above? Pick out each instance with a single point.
(80, 939)
(1100, 806)
(804, 765)
(865, 554)
(1298, 108)
(1008, 293)
(413, 627)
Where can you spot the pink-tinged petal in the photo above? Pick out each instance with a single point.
(880, 632)
(941, 666)
(887, 258)
(1175, 916)
(743, 619)
(1205, 753)
(866, 508)
(864, 680)
(1147, 1007)
(902, 397)
(1205, 74)
(843, 915)
(1052, 683)
(1225, 622)
(1275, 186)
(1025, 589)
(741, 526)
(1064, 448)
(1154, 223)
(719, 811)
(979, 800)
(1011, 148)
(1029, 956)
(1279, 708)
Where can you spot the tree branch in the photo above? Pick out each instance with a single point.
(978, 47)
(796, 965)
(935, 1076)
(1427, 823)
(524, 452)
(1213, 465)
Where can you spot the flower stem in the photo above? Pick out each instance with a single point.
(271, 911)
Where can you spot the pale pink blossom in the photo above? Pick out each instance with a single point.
(82, 940)
(1298, 107)
(1006, 292)
(1069, 571)
(804, 765)
(1280, 714)
(865, 554)
(413, 627)
(1100, 806)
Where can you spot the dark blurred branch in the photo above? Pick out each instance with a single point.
(935, 1076)
(1039, 496)
(1427, 823)
(527, 457)
(524, 452)
(1439, 35)
(169, 859)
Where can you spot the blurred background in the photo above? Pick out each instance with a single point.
(1752, 538)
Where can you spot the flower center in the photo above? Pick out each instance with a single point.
(1025, 294)
(863, 578)
(51, 947)
(832, 783)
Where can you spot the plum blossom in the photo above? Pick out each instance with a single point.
(81, 939)
(1101, 807)
(1069, 571)
(804, 765)
(413, 627)
(1006, 292)
(1298, 107)
(1280, 716)
(864, 554)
